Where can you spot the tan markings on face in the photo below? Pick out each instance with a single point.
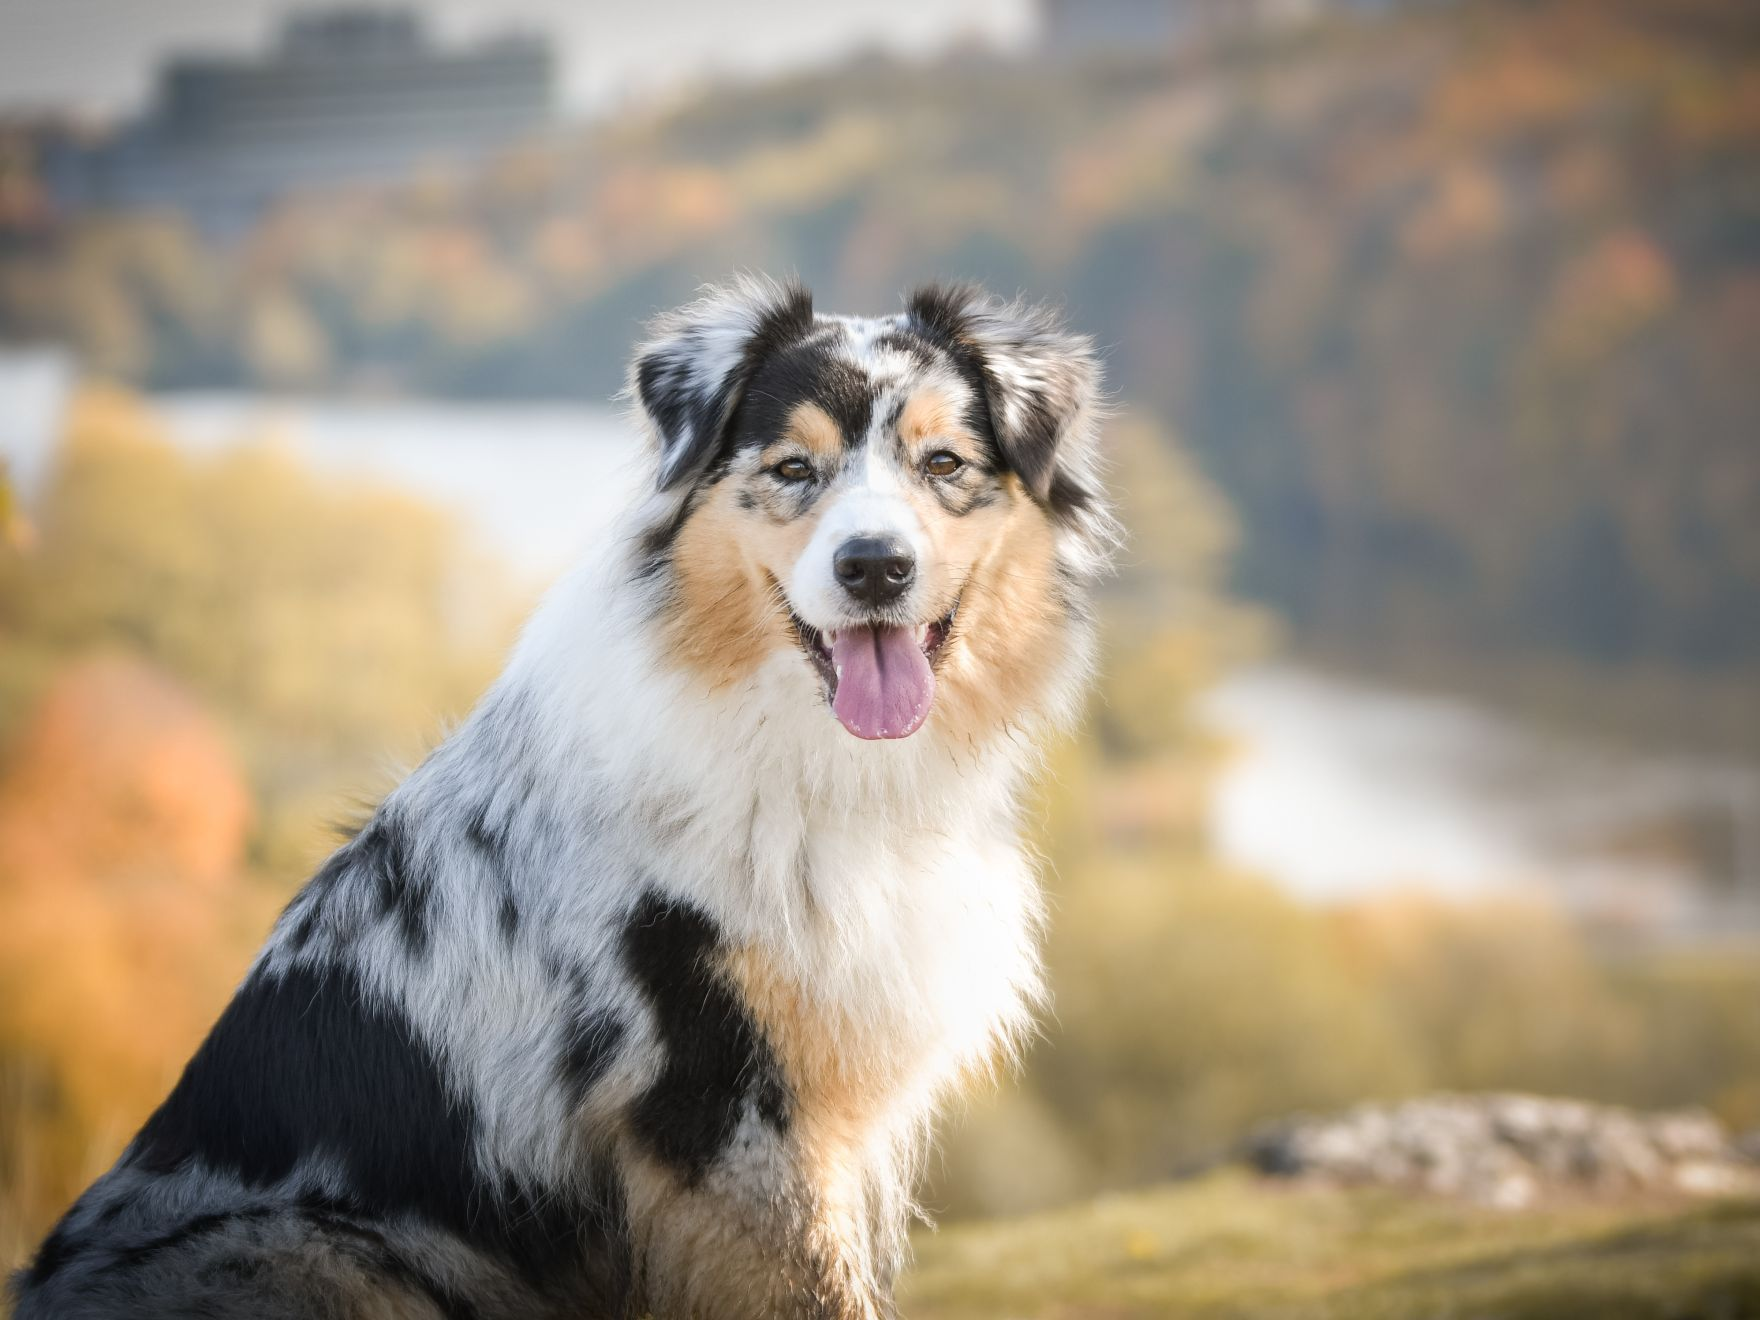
(810, 428)
(728, 615)
(998, 560)
(1011, 634)
(930, 417)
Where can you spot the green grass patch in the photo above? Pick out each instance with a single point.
(1233, 1246)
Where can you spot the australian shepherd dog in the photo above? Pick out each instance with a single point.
(639, 995)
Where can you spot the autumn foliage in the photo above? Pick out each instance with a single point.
(124, 817)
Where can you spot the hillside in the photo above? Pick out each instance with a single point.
(1228, 1246)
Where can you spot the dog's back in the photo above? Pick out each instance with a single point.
(270, 1261)
(315, 1159)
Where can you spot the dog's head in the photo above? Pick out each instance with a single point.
(907, 503)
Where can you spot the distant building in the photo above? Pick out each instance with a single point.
(344, 96)
(1075, 28)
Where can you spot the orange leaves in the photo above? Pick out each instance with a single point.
(123, 816)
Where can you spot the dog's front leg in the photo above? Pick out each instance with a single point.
(751, 1237)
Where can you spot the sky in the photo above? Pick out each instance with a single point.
(97, 56)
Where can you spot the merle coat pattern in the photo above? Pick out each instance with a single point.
(639, 995)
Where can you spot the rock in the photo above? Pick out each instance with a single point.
(1509, 1150)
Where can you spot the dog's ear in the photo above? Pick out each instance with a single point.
(1041, 384)
(690, 373)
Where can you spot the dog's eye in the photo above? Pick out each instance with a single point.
(793, 469)
(943, 464)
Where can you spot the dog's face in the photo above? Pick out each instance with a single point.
(899, 500)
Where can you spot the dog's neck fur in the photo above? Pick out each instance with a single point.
(838, 861)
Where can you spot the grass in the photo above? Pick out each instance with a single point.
(1232, 1246)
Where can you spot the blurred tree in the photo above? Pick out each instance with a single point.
(123, 819)
(1385, 281)
(319, 620)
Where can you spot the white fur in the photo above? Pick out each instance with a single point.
(867, 500)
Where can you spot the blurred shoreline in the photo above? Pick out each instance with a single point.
(1341, 789)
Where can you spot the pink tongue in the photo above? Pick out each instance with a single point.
(884, 683)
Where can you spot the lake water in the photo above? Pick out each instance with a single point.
(1341, 790)
(1336, 789)
(537, 481)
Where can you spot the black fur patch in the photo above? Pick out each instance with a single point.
(938, 313)
(366, 1246)
(806, 372)
(589, 1047)
(385, 853)
(314, 898)
(190, 1230)
(304, 1063)
(1069, 498)
(1032, 445)
(57, 1249)
(1030, 448)
(490, 841)
(307, 927)
(717, 1061)
(656, 544)
(913, 346)
(692, 415)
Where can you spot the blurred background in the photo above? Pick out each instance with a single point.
(1426, 755)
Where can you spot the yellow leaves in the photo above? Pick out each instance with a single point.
(123, 818)
(284, 344)
(185, 631)
(1141, 1245)
(325, 623)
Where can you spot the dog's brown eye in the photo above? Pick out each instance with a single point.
(943, 464)
(794, 469)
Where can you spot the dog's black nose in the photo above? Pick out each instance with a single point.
(876, 570)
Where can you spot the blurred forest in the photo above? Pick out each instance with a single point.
(1387, 280)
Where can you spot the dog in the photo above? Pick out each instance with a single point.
(640, 995)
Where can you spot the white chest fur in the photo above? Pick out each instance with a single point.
(875, 894)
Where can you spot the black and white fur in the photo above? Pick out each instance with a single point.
(492, 1060)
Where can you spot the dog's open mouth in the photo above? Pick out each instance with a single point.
(880, 679)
